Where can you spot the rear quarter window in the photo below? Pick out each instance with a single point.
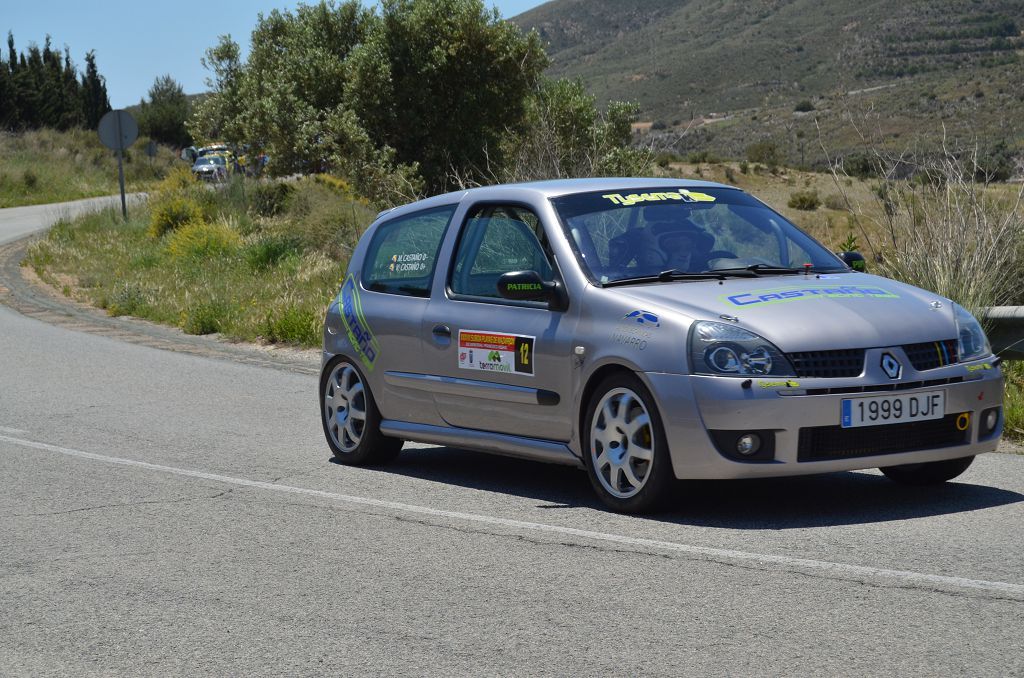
(403, 252)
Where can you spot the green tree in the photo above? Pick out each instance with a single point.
(440, 81)
(564, 135)
(163, 117)
(95, 102)
(218, 116)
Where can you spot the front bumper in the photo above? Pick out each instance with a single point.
(692, 405)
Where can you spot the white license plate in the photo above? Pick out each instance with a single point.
(893, 409)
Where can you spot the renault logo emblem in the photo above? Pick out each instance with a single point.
(891, 366)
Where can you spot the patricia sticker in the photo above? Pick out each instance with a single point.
(782, 295)
(359, 334)
(977, 368)
(681, 195)
(494, 352)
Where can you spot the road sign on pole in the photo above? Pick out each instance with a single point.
(118, 131)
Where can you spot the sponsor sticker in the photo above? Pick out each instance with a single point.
(359, 334)
(782, 295)
(408, 263)
(496, 352)
(634, 329)
(680, 195)
(778, 384)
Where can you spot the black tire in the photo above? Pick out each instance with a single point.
(354, 441)
(927, 473)
(655, 475)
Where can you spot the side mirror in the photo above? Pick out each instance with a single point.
(529, 286)
(854, 260)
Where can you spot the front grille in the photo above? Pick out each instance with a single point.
(876, 388)
(821, 443)
(931, 354)
(839, 364)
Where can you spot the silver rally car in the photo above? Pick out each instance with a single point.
(646, 330)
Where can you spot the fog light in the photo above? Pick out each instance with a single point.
(990, 419)
(748, 444)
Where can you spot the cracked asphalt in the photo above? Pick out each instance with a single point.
(177, 513)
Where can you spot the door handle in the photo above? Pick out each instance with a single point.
(442, 335)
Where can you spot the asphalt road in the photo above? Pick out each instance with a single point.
(165, 513)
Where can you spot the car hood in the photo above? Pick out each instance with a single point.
(808, 313)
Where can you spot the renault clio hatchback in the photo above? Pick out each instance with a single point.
(646, 330)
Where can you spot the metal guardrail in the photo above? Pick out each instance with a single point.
(1006, 331)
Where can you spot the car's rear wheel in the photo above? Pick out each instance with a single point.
(625, 449)
(927, 473)
(350, 417)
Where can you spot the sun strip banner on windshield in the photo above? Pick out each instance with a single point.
(681, 195)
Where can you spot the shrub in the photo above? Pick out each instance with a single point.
(267, 250)
(834, 201)
(744, 167)
(804, 200)
(730, 176)
(178, 179)
(765, 152)
(293, 325)
(170, 211)
(270, 199)
(126, 299)
(204, 317)
(201, 239)
(804, 106)
(701, 156)
(30, 179)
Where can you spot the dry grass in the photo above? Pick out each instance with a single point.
(231, 271)
(48, 166)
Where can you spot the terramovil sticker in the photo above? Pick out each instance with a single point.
(783, 295)
(359, 334)
(680, 195)
(494, 352)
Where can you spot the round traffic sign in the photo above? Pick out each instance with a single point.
(118, 130)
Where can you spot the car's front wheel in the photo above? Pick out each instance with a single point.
(350, 417)
(927, 473)
(625, 448)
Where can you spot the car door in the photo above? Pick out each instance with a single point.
(391, 299)
(503, 365)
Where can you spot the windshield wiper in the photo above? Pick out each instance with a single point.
(676, 274)
(767, 268)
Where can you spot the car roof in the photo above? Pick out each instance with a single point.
(552, 189)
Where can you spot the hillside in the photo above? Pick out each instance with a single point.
(750, 63)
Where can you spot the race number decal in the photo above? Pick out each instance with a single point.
(493, 352)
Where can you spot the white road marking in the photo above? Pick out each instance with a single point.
(12, 431)
(840, 570)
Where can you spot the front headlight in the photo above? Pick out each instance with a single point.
(971, 340)
(729, 351)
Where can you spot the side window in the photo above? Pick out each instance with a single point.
(497, 239)
(403, 252)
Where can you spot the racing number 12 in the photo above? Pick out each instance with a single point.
(524, 355)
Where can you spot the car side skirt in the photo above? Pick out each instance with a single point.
(483, 441)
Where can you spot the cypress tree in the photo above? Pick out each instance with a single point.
(95, 102)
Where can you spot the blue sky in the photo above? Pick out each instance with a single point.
(137, 41)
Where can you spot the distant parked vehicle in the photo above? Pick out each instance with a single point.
(211, 168)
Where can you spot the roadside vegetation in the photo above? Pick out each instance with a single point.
(257, 261)
(46, 165)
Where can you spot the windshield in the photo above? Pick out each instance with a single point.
(210, 160)
(635, 233)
